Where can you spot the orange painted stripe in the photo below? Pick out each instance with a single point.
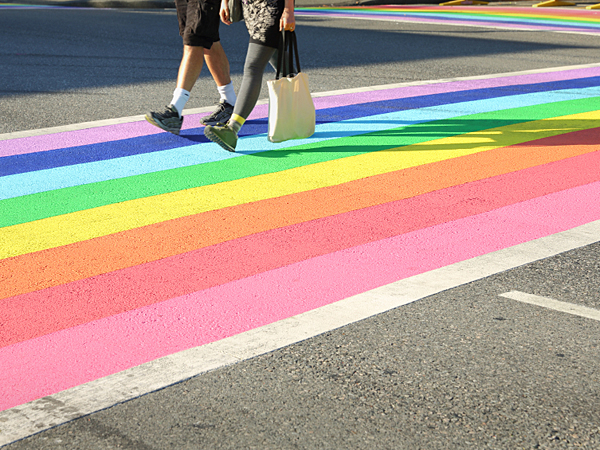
(60, 265)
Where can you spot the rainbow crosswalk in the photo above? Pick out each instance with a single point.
(567, 20)
(120, 245)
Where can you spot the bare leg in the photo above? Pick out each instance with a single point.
(218, 64)
(190, 67)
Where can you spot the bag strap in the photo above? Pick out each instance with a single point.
(287, 52)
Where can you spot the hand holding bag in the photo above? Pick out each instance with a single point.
(291, 108)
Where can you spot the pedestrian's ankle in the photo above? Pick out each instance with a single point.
(236, 122)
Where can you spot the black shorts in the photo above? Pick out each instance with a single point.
(199, 22)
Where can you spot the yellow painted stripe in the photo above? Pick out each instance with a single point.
(82, 225)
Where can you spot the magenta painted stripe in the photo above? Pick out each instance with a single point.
(136, 129)
(51, 363)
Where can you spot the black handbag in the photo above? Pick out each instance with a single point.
(235, 10)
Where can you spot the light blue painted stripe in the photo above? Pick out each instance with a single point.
(62, 177)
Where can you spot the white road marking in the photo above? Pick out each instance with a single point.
(39, 415)
(139, 118)
(570, 308)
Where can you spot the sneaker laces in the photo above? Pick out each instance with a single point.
(169, 112)
(221, 105)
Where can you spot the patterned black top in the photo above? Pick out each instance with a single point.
(262, 20)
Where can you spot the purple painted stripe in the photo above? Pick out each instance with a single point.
(142, 128)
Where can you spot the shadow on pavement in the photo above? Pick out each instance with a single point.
(93, 52)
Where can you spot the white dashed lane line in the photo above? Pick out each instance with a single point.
(569, 308)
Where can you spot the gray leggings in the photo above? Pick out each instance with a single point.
(257, 58)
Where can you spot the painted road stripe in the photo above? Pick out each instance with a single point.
(504, 11)
(468, 221)
(69, 228)
(77, 198)
(555, 305)
(490, 16)
(557, 20)
(466, 22)
(566, 166)
(154, 143)
(26, 317)
(511, 12)
(564, 22)
(327, 134)
(130, 127)
(105, 346)
(57, 408)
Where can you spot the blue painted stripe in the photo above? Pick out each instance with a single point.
(61, 177)
(31, 162)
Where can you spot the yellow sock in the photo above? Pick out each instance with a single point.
(236, 122)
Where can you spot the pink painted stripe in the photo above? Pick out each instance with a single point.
(142, 128)
(51, 363)
(30, 315)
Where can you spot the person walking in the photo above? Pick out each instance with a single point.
(199, 28)
(265, 19)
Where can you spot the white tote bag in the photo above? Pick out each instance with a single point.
(291, 108)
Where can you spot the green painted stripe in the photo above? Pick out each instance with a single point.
(42, 205)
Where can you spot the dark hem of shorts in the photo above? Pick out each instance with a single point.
(256, 41)
(198, 43)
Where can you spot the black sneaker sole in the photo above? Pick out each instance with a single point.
(217, 140)
(151, 120)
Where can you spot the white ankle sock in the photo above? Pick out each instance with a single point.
(180, 98)
(227, 93)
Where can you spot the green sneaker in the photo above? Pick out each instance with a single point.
(223, 135)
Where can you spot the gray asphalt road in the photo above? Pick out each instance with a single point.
(68, 66)
(465, 368)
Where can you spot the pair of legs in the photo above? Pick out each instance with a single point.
(257, 58)
(199, 28)
(265, 20)
(190, 67)
(193, 60)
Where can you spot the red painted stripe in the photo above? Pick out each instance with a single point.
(52, 363)
(35, 314)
